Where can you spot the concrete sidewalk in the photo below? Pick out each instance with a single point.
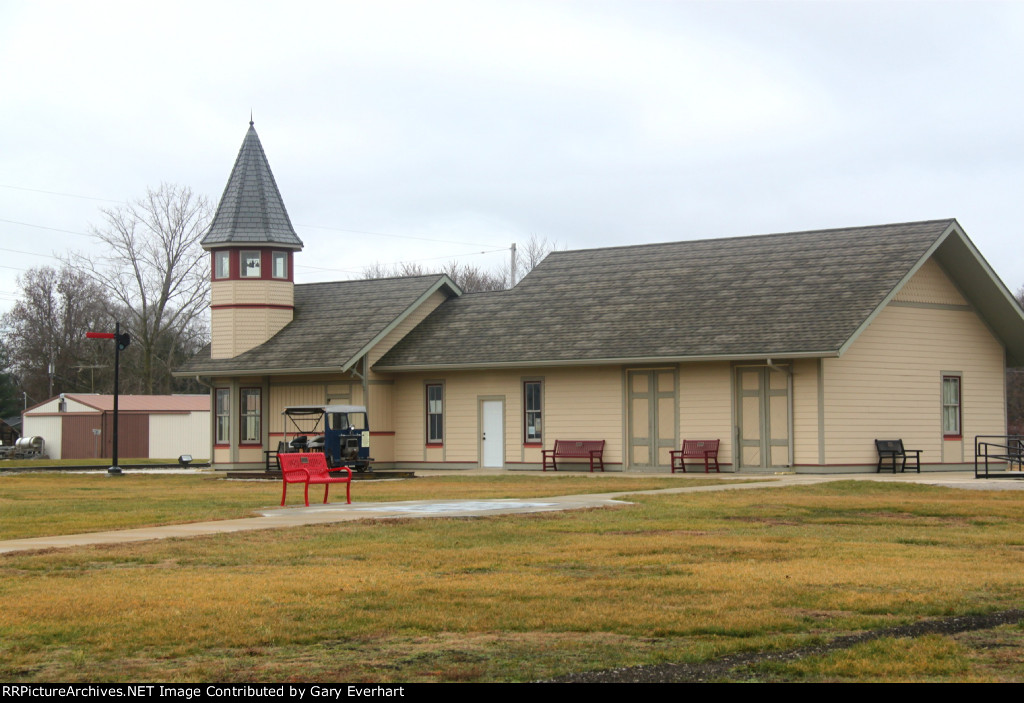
(340, 512)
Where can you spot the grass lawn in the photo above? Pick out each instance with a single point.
(9, 464)
(672, 578)
(43, 504)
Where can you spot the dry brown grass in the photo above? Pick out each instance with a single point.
(43, 504)
(671, 578)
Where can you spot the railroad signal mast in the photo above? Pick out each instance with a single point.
(121, 342)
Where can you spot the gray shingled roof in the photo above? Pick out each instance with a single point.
(251, 210)
(770, 295)
(331, 324)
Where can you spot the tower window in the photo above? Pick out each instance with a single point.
(280, 267)
(250, 264)
(222, 264)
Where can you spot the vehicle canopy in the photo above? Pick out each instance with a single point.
(343, 429)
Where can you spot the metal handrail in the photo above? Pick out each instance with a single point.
(1008, 450)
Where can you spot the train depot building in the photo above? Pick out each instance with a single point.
(795, 350)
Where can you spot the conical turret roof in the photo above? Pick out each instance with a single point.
(251, 210)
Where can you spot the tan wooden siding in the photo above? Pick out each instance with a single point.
(586, 403)
(172, 435)
(462, 408)
(250, 455)
(285, 395)
(581, 403)
(222, 455)
(262, 292)
(408, 416)
(340, 393)
(705, 405)
(888, 385)
(381, 407)
(237, 330)
(403, 328)
(930, 285)
(805, 412)
(382, 447)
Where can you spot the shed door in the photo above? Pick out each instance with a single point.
(652, 417)
(492, 438)
(132, 436)
(762, 417)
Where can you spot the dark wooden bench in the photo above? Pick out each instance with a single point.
(892, 451)
(591, 449)
(311, 467)
(705, 450)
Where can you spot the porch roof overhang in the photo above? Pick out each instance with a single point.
(615, 361)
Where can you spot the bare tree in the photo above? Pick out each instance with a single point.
(473, 279)
(528, 255)
(1015, 390)
(399, 270)
(46, 329)
(149, 260)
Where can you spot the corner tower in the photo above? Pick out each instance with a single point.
(251, 242)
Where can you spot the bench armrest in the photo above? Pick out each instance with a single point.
(341, 468)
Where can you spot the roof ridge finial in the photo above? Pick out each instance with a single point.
(250, 117)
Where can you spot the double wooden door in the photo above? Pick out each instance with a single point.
(763, 417)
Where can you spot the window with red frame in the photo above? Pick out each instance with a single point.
(951, 415)
(250, 430)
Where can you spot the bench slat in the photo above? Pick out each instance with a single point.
(702, 449)
(892, 450)
(591, 449)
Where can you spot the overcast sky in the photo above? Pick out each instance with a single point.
(431, 131)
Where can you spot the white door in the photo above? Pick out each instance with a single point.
(492, 438)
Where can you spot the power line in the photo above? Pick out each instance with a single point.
(53, 229)
(327, 227)
(398, 236)
(397, 263)
(30, 253)
(65, 195)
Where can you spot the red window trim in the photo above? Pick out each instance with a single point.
(241, 418)
(959, 407)
(266, 264)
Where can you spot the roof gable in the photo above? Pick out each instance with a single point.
(251, 210)
(984, 290)
(334, 325)
(80, 402)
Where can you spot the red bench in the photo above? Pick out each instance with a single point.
(705, 449)
(592, 449)
(311, 467)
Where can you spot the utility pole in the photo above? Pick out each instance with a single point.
(512, 269)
